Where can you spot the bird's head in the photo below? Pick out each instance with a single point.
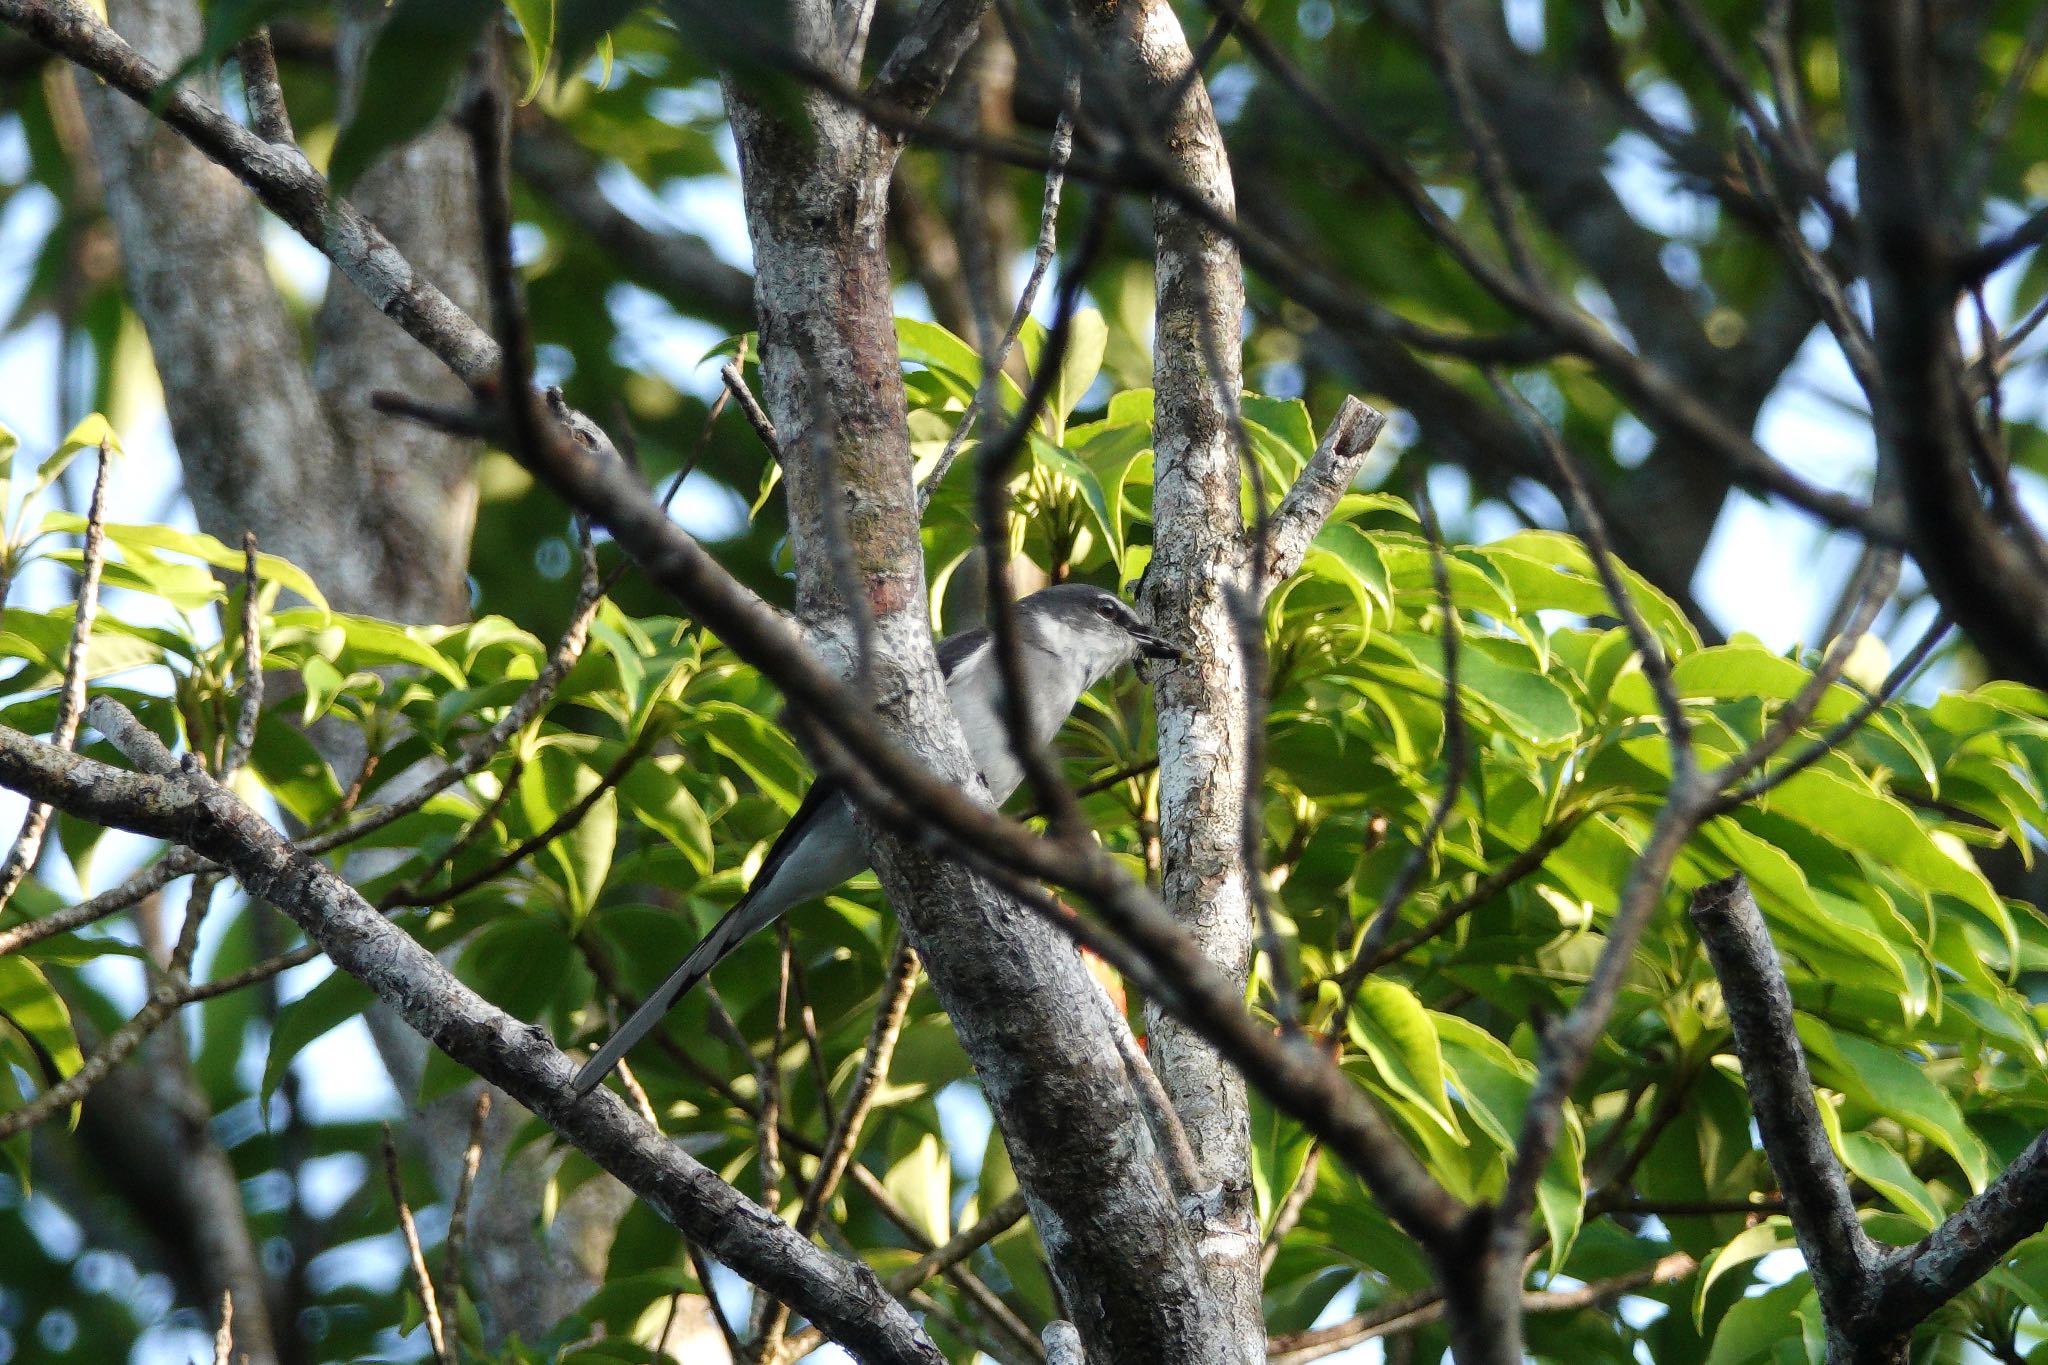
(1098, 627)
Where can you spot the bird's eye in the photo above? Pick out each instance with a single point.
(1105, 611)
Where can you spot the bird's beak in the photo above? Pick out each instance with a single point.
(1155, 646)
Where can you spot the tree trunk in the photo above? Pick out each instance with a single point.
(1124, 1257)
(1199, 559)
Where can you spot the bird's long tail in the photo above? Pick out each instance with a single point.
(739, 924)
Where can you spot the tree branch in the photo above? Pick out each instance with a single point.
(178, 802)
(1841, 1256)
(1327, 476)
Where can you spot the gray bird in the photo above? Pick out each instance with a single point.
(1073, 636)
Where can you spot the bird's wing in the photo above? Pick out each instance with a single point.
(749, 915)
(956, 650)
(754, 911)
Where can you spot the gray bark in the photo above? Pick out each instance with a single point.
(1124, 1258)
(1199, 559)
(377, 510)
(179, 803)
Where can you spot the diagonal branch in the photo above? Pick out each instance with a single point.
(178, 802)
(282, 180)
(1327, 476)
(1843, 1259)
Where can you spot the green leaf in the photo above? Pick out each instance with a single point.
(921, 1179)
(1344, 554)
(90, 434)
(653, 790)
(1565, 552)
(935, 348)
(1745, 670)
(293, 771)
(413, 65)
(1772, 1234)
(582, 855)
(198, 545)
(585, 27)
(330, 1004)
(1858, 818)
(1398, 1034)
(1087, 338)
(1060, 462)
(1507, 684)
(1885, 1171)
(536, 19)
(1880, 1078)
(34, 1022)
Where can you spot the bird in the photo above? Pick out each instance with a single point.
(1073, 635)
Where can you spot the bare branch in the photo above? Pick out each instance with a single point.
(182, 804)
(1973, 1239)
(281, 178)
(261, 91)
(1063, 1344)
(938, 37)
(423, 1283)
(458, 1209)
(224, 1336)
(251, 691)
(1844, 1261)
(1041, 259)
(680, 266)
(750, 406)
(1327, 477)
(844, 1140)
(1407, 1314)
(175, 863)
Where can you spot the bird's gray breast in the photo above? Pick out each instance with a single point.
(1053, 685)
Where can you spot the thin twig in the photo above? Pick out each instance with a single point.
(224, 1336)
(261, 91)
(1291, 1206)
(1843, 728)
(479, 752)
(700, 1266)
(1878, 585)
(814, 1044)
(1406, 1315)
(251, 692)
(465, 1182)
(1492, 884)
(890, 1012)
(1372, 931)
(994, 361)
(1494, 185)
(564, 822)
(939, 1260)
(175, 863)
(28, 844)
(844, 1139)
(430, 1306)
(993, 466)
(750, 407)
(1656, 663)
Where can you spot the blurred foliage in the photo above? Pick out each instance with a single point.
(1920, 985)
(634, 90)
(1920, 988)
